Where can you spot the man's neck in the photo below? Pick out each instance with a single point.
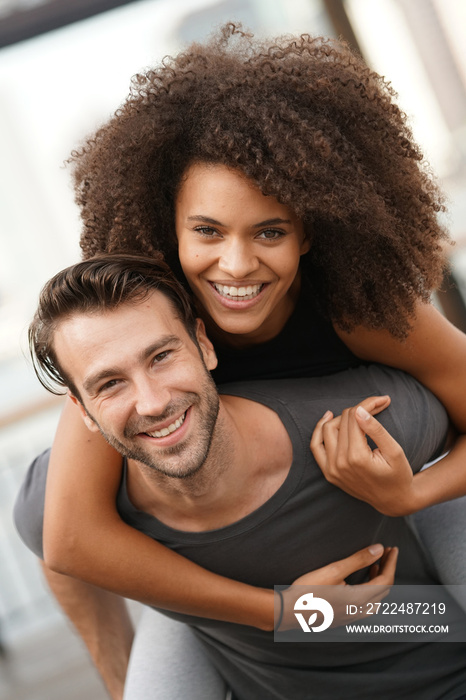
(249, 459)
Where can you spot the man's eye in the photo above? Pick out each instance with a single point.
(108, 385)
(161, 356)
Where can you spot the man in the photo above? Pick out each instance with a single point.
(230, 482)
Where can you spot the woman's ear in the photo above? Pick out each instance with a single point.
(305, 246)
(207, 349)
(308, 234)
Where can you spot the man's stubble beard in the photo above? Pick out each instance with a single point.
(192, 456)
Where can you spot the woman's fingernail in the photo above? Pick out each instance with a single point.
(376, 549)
(362, 413)
(326, 415)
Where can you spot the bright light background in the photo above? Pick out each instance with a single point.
(56, 89)
(389, 47)
(59, 87)
(377, 24)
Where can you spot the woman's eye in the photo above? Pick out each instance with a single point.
(271, 234)
(206, 231)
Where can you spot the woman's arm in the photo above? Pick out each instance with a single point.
(85, 538)
(434, 353)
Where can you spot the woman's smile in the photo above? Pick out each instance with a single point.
(245, 293)
(239, 298)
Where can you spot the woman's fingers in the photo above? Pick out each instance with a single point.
(375, 404)
(385, 575)
(387, 445)
(318, 447)
(338, 571)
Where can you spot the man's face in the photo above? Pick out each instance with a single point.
(143, 382)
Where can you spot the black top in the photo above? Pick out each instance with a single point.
(306, 347)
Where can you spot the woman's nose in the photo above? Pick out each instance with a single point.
(238, 259)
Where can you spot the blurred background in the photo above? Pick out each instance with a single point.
(65, 66)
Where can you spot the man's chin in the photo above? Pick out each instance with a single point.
(180, 469)
(176, 472)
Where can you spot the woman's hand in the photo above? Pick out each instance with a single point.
(382, 563)
(434, 353)
(381, 477)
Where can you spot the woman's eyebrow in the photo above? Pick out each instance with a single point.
(205, 219)
(214, 222)
(272, 222)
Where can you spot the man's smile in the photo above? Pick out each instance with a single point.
(169, 434)
(163, 432)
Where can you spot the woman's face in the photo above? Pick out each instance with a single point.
(239, 250)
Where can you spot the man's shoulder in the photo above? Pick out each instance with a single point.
(354, 382)
(415, 418)
(305, 400)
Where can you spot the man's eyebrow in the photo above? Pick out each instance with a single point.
(90, 382)
(214, 222)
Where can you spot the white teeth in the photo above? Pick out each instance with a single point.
(171, 428)
(234, 292)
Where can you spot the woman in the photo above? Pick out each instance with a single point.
(306, 228)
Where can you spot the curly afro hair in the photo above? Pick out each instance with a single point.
(310, 124)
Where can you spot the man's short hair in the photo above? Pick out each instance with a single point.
(99, 284)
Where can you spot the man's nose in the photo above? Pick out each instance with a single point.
(151, 399)
(238, 258)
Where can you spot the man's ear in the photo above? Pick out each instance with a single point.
(90, 424)
(207, 349)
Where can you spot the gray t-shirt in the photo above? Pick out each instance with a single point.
(306, 524)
